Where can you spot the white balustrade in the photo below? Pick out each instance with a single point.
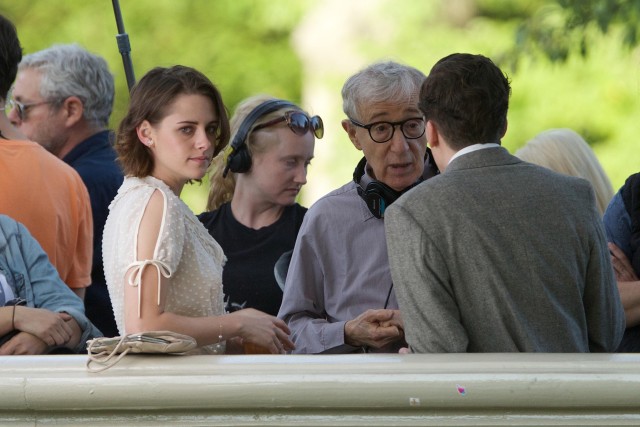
(372, 390)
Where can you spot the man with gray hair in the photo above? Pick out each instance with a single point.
(41, 191)
(338, 295)
(62, 99)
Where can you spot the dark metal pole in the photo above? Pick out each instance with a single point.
(123, 45)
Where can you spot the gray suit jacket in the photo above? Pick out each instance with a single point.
(499, 255)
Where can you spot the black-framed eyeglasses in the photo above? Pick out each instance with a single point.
(22, 108)
(298, 122)
(380, 132)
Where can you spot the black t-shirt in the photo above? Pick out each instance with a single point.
(247, 278)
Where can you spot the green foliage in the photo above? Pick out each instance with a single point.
(506, 10)
(569, 61)
(564, 27)
(597, 94)
(243, 46)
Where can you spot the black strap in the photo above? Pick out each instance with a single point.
(386, 302)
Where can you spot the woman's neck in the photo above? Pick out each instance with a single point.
(252, 214)
(175, 187)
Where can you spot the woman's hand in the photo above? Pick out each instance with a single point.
(263, 330)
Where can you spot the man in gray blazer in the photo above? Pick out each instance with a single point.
(495, 254)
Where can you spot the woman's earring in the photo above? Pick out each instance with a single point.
(150, 142)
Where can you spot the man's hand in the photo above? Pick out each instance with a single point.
(374, 328)
(396, 320)
(50, 327)
(23, 344)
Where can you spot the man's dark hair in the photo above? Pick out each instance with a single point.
(10, 55)
(467, 97)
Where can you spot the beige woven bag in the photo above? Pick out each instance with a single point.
(106, 352)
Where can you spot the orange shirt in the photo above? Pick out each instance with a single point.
(49, 198)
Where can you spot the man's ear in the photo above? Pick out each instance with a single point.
(433, 139)
(73, 109)
(350, 128)
(504, 131)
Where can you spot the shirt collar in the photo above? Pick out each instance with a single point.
(94, 142)
(472, 148)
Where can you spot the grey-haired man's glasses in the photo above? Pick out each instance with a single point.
(380, 132)
(22, 108)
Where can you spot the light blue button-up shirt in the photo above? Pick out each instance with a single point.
(31, 276)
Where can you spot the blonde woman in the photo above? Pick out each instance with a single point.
(252, 211)
(565, 151)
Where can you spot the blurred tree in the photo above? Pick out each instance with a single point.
(243, 46)
(562, 27)
(573, 70)
(596, 93)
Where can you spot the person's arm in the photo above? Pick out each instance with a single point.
(630, 297)
(420, 277)
(303, 305)
(50, 327)
(145, 302)
(27, 343)
(628, 285)
(81, 256)
(51, 295)
(617, 224)
(23, 344)
(6, 313)
(621, 265)
(316, 298)
(374, 328)
(603, 309)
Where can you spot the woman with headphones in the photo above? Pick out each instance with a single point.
(252, 211)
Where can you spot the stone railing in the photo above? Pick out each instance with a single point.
(373, 390)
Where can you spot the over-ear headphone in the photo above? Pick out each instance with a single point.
(237, 157)
(378, 196)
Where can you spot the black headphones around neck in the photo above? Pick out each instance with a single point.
(237, 157)
(378, 195)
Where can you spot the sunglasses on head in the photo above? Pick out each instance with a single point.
(298, 122)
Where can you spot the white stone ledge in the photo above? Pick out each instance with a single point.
(443, 389)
